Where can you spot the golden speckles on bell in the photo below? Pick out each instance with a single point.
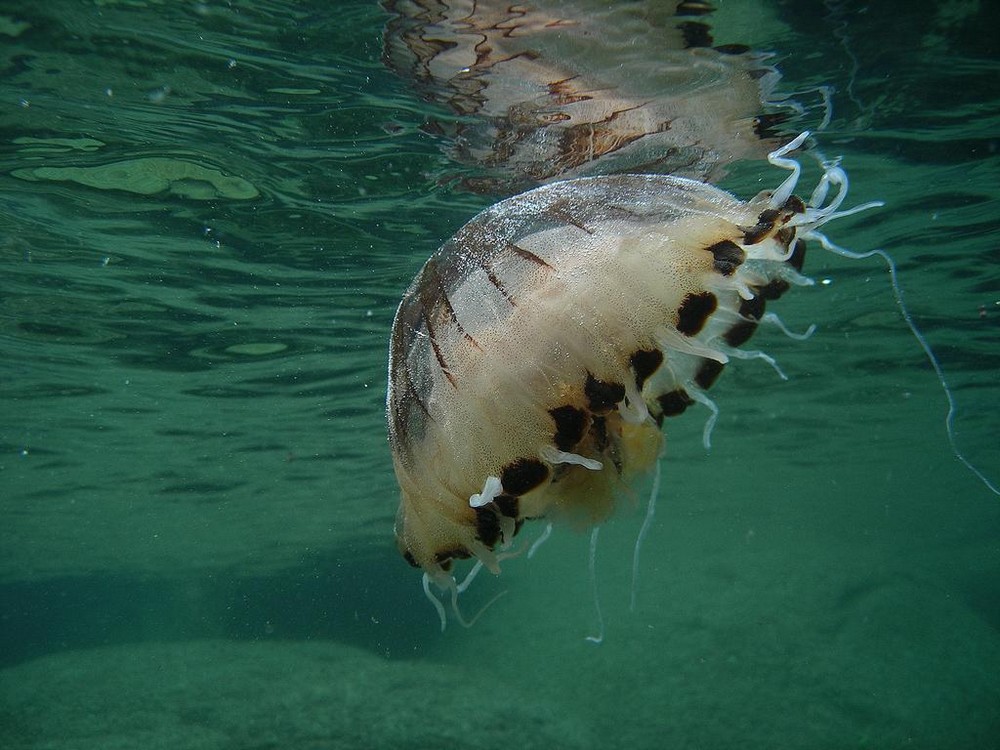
(694, 311)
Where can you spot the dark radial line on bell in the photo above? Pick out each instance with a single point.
(560, 212)
(412, 389)
(495, 281)
(432, 337)
(623, 210)
(443, 297)
(527, 255)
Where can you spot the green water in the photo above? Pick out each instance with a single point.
(208, 213)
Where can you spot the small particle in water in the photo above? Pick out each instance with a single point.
(23, 103)
(156, 96)
(231, 63)
(24, 453)
(105, 260)
(108, 92)
(826, 282)
(368, 313)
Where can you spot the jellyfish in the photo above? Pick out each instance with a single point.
(537, 354)
(551, 89)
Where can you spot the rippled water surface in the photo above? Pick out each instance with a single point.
(208, 213)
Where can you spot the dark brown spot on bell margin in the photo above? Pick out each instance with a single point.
(732, 49)
(507, 505)
(795, 204)
(599, 432)
(753, 308)
(408, 556)
(644, 363)
(571, 423)
(764, 226)
(773, 289)
(695, 311)
(696, 34)
(728, 256)
(708, 373)
(693, 8)
(602, 396)
(602, 440)
(798, 258)
(444, 557)
(740, 333)
(523, 475)
(487, 526)
(675, 402)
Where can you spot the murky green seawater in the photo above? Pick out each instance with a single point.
(208, 212)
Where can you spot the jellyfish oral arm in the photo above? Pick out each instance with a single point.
(491, 490)
(556, 456)
(778, 159)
